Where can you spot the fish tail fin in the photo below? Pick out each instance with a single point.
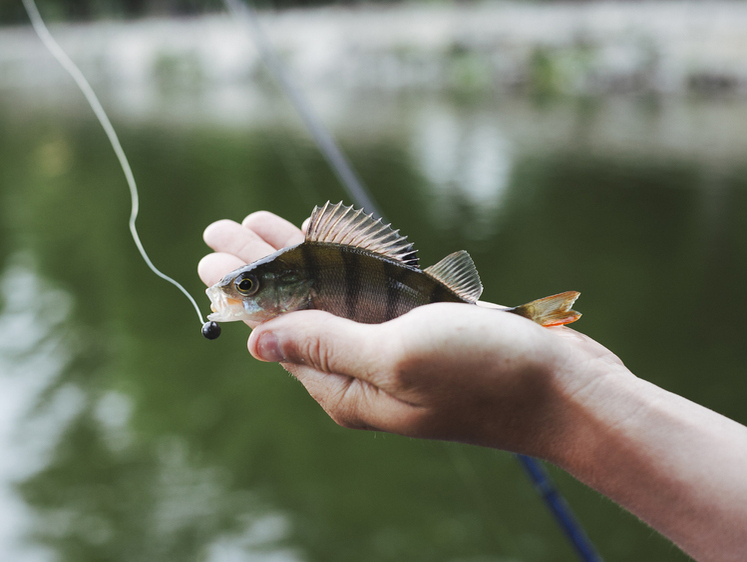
(554, 310)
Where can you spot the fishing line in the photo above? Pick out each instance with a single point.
(533, 468)
(210, 330)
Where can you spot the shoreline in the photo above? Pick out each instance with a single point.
(567, 48)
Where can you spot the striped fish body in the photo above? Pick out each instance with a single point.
(353, 266)
(361, 285)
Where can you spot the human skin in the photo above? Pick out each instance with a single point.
(466, 373)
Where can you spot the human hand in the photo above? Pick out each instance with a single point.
(443, 371)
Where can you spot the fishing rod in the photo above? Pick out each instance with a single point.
(533, 468)
(558, 506)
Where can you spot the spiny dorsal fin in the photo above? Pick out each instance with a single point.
(337, 224)
(458, 272)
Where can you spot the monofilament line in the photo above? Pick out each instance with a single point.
(98, 110)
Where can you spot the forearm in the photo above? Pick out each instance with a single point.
(678, 466)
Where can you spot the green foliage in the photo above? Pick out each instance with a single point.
(11, 11)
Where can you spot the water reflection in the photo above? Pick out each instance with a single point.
(72, 450)
(31, 357)
(465, 159)
(142, 441)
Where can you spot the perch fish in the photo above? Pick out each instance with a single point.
(354, 266)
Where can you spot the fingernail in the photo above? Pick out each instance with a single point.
(268, 348)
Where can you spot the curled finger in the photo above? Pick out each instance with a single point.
(276, 231)
(230, 237)
(213, 267)
(356, 404)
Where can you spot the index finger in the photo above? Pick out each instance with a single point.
(274, 230)
(229, 237)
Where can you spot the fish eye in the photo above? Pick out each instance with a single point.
(247, 285)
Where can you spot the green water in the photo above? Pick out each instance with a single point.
(135, 439)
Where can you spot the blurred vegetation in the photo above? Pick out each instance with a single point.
(11, 11)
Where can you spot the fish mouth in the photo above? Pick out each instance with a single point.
(225, 309)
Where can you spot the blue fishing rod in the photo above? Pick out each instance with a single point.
(534, 469)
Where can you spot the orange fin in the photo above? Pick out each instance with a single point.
(550, 311)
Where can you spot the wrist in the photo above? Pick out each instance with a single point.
(594, 418)
(561, 413)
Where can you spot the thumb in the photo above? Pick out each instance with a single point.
(339, 363)
(316, 339)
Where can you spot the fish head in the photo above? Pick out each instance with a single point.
(259, 291)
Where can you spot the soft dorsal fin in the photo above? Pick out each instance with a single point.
(458, 272)
(337, 224)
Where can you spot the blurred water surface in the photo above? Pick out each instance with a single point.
(126, 436)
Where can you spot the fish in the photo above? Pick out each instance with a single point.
(355, 266)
